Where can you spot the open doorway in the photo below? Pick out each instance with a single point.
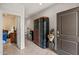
(9, 33)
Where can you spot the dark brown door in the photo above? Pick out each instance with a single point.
(36, 32)
(67, 33)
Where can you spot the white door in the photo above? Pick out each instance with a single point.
(1, 23)
(18, 29)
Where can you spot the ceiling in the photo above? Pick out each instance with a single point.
(30, 8)
(33, 8)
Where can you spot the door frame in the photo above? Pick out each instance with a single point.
(20, 46)
(1, 29)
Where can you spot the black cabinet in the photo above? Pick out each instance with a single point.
(41, 30)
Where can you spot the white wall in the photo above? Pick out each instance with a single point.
(28, 24)
(22, 28)
(1, 44)
(9, 21)
(18, 10)
(51, 13)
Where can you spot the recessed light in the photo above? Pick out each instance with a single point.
(40, 3)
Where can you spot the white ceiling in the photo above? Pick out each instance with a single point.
(32, 8)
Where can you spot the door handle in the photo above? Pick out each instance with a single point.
(58, 33)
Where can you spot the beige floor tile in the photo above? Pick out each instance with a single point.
(31, 49)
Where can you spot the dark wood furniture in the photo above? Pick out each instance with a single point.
(12, 37)
(41, 30)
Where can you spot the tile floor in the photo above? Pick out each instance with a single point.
(31, 49)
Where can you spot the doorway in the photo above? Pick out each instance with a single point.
(10, 33)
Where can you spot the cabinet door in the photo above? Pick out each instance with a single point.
(46, 31)
(36, 32)
(41, 32)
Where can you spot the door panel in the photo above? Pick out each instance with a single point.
(36, 32)
(69, 46)
(69, 24)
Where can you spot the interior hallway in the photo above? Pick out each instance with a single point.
(31, 49)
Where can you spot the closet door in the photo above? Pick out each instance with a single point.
(41, 31)
(36, 32)
(46, 31)
(67, 28)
